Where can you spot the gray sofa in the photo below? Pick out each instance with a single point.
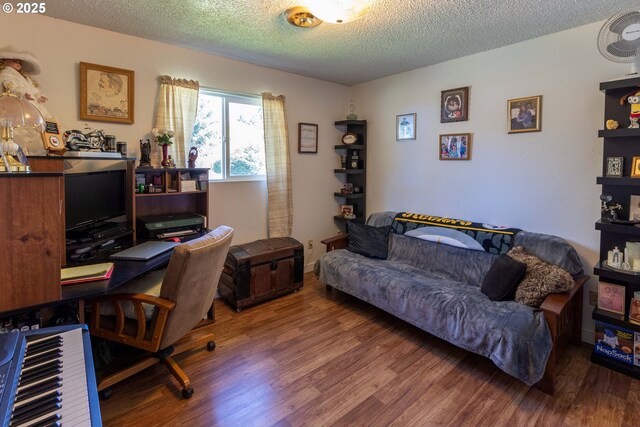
(437, 288)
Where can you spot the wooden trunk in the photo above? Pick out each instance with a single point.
(261, 270)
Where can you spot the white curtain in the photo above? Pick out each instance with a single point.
(177, 109)
(276, 140)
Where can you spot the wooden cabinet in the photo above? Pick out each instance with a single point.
(171, 191)
(31, 233)
(622, 142)
(352, 173)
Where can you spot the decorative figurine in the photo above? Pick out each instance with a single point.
(16, 71)
(193, 155)
(633, 99)
(145, 154)
(170, 162)
(612, 124)
(609, 212)
(89, 140)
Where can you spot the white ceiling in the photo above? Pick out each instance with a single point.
(394, 36)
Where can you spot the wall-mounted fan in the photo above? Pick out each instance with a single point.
(619, 38)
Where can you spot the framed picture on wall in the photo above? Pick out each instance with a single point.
(615, 166)
(524, 114)
(106, 93)
(454, 105)
(455, 146)
(405, 127)
(307, 138)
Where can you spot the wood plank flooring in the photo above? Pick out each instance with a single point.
(317, 358)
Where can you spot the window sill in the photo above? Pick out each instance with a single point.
(236, 180)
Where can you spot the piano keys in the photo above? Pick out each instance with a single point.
(47, 378)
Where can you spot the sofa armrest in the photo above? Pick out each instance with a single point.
(339, 241)
(555, 303)
(563, 313)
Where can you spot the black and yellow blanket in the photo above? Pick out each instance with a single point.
(455, 232)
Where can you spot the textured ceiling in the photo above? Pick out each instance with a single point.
(394, 36)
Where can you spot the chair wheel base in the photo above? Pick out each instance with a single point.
(211, 345)
(187, 392)
(105, 394)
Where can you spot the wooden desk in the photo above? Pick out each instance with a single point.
(123, 272)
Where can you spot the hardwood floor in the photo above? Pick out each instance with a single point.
(316, 358)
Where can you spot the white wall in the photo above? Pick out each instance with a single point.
(542, 182)
(61, 45)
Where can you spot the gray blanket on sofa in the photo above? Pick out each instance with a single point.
(437, 288)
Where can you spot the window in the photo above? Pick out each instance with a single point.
(229, 135)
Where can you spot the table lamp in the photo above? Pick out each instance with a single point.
(16, 112)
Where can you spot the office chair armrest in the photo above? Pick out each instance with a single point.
(117, 331)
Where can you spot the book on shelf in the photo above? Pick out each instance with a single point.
(86, 273)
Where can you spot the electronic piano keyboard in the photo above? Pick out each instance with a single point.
(47, 378)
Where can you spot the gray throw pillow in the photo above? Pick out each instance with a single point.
(372, 242)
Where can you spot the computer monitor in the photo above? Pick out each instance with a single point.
(94, 197)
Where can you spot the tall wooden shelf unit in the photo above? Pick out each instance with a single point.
(621, 142)
(354, 175)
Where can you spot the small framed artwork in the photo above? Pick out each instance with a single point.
(307, 138)
(106, 93)
(634, 311)
(455, 146)
(454, 105)
(634, 208)
(347, 188)
(524, 114)
(611, 297)
(347, 211)
(405, 127)
(635, 167)
(615, 166)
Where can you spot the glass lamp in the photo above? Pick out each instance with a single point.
(16, 112)
(338, 11)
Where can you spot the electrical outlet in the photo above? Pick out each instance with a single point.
(593, 298)
(309, 244)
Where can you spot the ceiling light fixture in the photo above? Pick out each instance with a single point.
(338, 11)
(301, 17)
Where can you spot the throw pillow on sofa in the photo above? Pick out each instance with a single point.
(502, 279)
(372, 242)
(541, 279)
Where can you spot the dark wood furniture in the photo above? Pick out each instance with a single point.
(261, 270)
(30, 233)
(563, 313)
(174, 196)
(622, 142)
(31, 279)
(355, 172)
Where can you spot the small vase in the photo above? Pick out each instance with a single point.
(165, 150)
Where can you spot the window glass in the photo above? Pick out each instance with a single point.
(229, 135)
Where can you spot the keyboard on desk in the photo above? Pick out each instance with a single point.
(47, 378)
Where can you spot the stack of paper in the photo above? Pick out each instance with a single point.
(86, 273)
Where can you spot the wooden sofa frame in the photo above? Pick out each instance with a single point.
(563, 313)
